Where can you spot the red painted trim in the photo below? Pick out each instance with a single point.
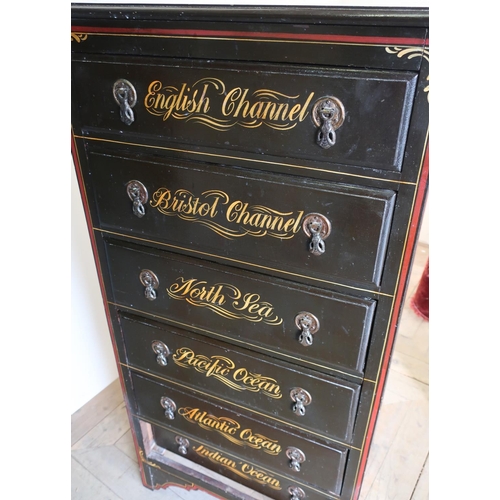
(253, 34)
(78, 169)
(397, 304)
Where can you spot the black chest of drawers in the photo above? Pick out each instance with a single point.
(253, 180)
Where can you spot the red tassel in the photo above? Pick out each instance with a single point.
(420, 301)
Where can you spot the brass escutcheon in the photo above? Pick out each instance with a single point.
(308, 324)
(296, 458)
(328, 115)
(162, 351)
(138, 194)
(126, 97)
(318, 228)
(183, 444)
(301, 399)
(151, 282)
(169, 406)
(296, 493)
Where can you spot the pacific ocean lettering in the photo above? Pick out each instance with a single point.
(224, 370)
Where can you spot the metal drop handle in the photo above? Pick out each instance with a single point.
(151, 282)
(183, 444)
(308, 324)
(296, 493)
(169, 406)
(301, 398)
(328, 115)
(162, 352)
(296, 458)
(318, 228)
(126, 97)
(138, 194)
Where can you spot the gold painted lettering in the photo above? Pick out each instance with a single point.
(259, 441)
(260, 476)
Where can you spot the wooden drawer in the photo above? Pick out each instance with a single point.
(253, 218)
(319, 463)
(245, 308)
(241, 378)
(249, 108)
(167, 447)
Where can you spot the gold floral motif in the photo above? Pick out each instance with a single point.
(411, 52)
(151, 464)
(79, 37)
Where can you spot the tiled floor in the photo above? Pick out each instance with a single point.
(104, 465)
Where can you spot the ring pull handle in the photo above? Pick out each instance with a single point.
(162, 352)
(308, 324)
(328, 115)
(150, 281)
(296, 457)
(301, 398)
(138, 194)
(183, 444)
(318, 228)
(169, 406)
(296, 493)
(126, 97)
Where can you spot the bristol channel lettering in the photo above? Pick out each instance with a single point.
(226, 217)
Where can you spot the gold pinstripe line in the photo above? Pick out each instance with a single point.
(229, 157)
(391, 311)
(240, 262)
(270, 40)
(201, 441)
(192, 327)
(231, 403)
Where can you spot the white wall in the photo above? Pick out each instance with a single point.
(424, 228)
(93, 365)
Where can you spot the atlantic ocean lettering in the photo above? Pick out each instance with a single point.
(224, 299)
(242, 469)
(224, 370)
(216, 210)
(230, 429)
(203, 102)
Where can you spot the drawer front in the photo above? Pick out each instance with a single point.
(314, 462)
(257, 219)
(246, 308)
(254, 109)
(269, 387)
(228, 465)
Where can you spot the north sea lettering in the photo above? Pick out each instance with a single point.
(225, 300)
(224, 369)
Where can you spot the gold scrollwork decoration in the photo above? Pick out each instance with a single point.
(411, 52)
(146, 461)
(79, 37)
